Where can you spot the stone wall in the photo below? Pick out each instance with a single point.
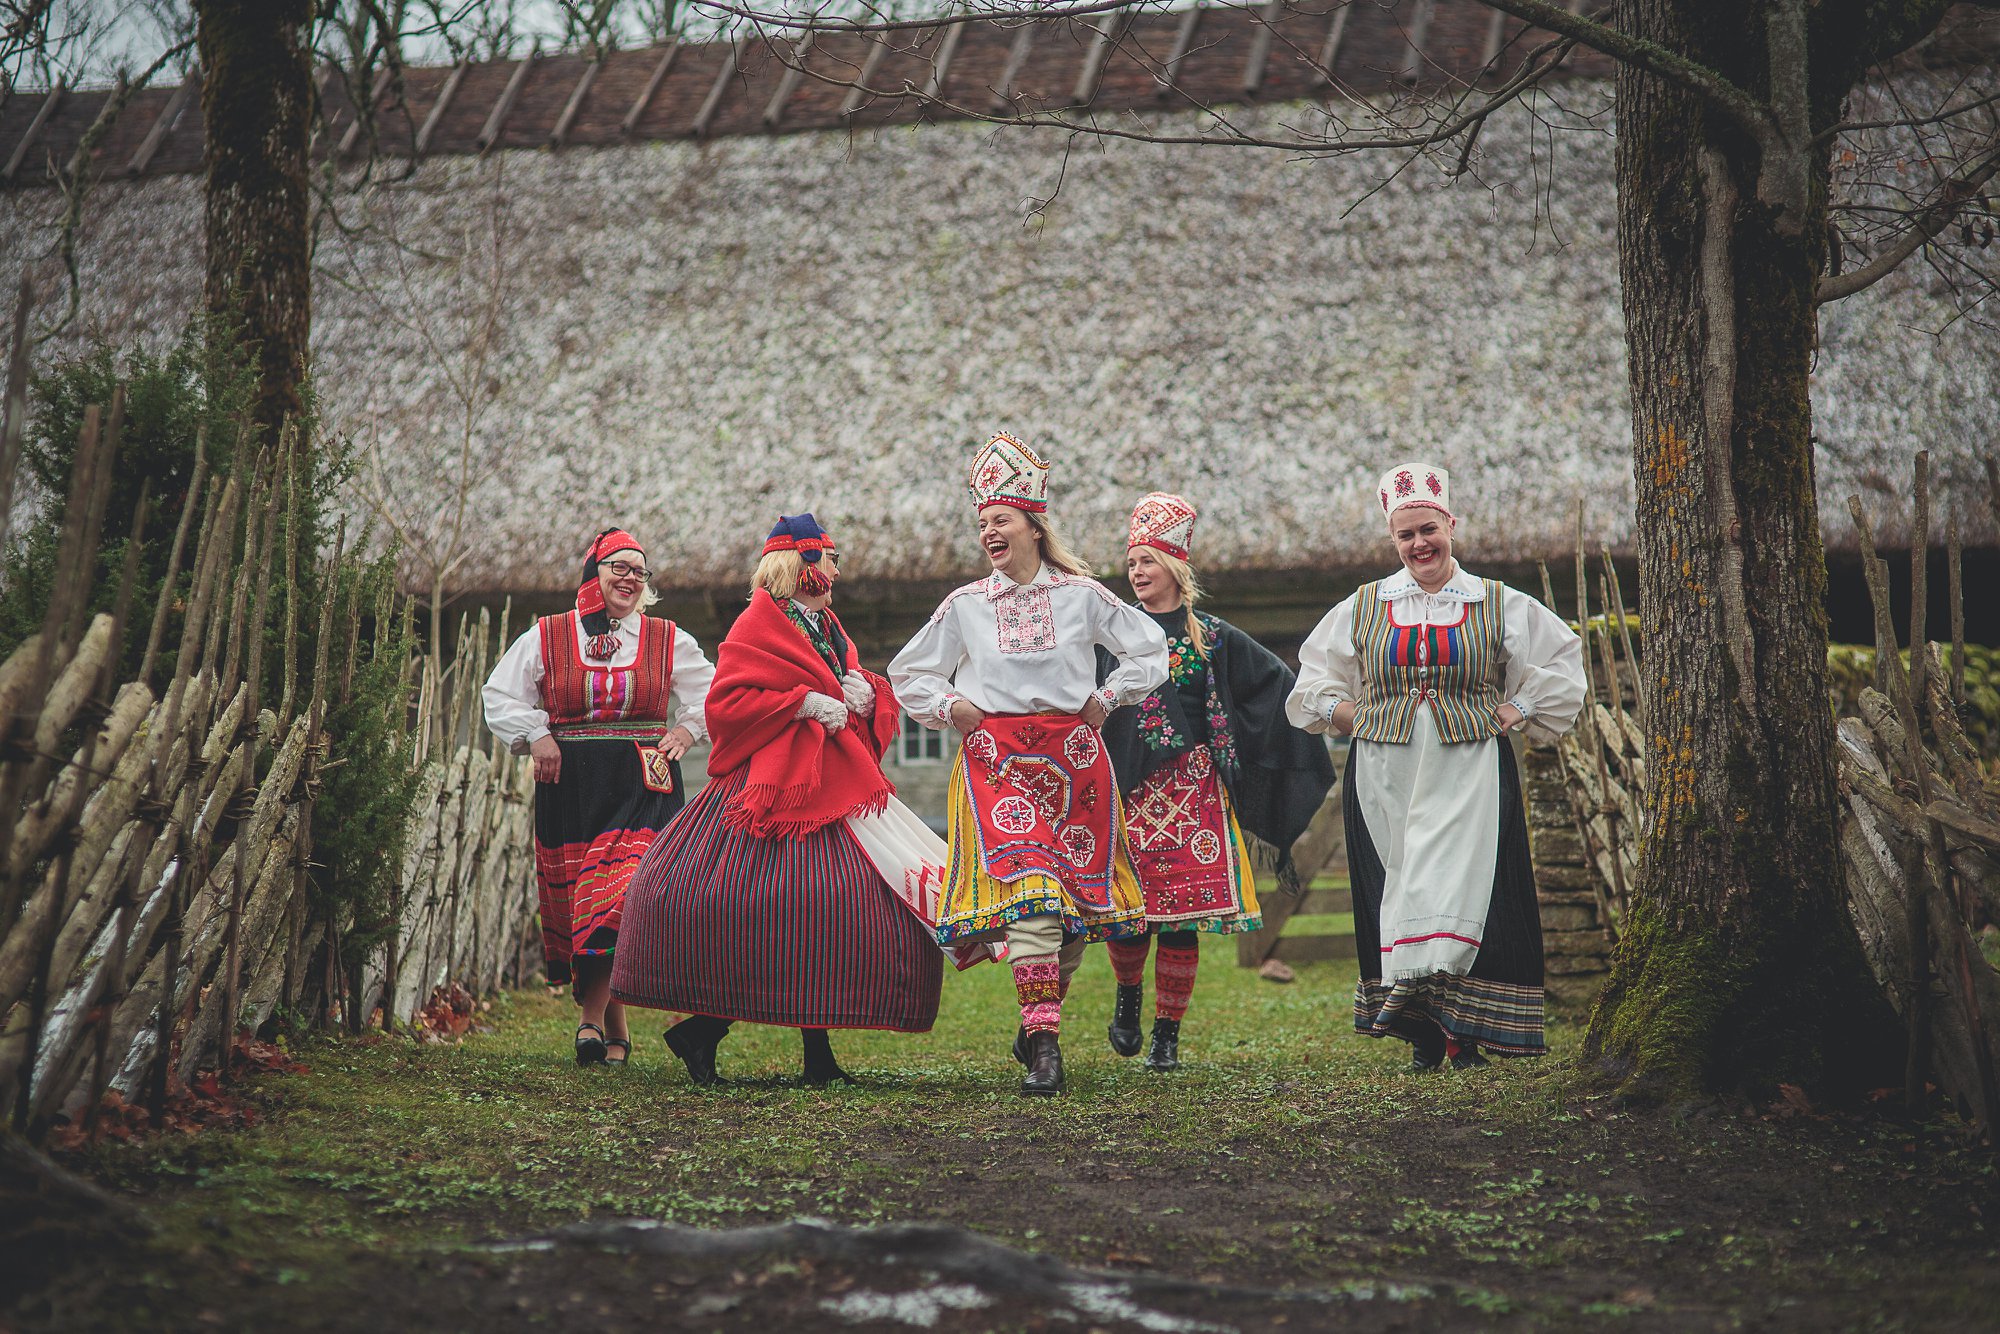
(1576, 947)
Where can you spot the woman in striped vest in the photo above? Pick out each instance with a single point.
(587, 693)
(795, 890)
(1428, 670)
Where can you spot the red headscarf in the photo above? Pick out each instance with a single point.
(601, 643)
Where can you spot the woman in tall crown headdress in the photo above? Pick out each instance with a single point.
(795, 889)
(587, 694)
(1206, 750)
(1037, 843)
(1428, 670)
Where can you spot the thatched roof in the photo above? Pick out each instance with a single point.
(690, 337)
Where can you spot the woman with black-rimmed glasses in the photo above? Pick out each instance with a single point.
(589, 693)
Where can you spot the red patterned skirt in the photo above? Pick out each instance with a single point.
(1191, 858)
(591, 828)
(802, 932)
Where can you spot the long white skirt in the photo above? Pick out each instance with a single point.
(912, 860)
(1433, 813)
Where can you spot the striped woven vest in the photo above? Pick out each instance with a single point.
(1456, 669)
(576, 692)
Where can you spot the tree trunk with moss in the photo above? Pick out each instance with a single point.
(1738, 967)
(257, 107)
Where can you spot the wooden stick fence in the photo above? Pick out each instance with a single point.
(154, 888)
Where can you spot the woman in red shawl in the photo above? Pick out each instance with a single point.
(792, 890)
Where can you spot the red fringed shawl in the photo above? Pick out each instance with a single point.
(802, 777)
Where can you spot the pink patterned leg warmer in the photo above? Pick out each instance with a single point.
(1038, 984)
(1128, 959)
(1173, 981)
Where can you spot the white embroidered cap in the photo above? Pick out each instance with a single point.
(1416, 484)
(1007, 472)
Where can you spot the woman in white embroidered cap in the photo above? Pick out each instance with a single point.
(1428, 670)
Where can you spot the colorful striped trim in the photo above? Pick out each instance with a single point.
(609, 731)
(1456, 669)
(1501, 1016)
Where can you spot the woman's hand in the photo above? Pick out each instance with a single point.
(1342, 720)
(966, 717)
(548, 759)
(1093, 711)
(676, 743)
(1509, 716)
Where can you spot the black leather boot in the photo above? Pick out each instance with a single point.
(1124, 1030)
(820, 1067)
(1166, 1049)
(694, 1040)
(1021, 1044)
(1426, 1040)
(1045, 1073)
(1468, 1057)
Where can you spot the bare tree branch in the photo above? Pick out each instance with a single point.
(1952, 198)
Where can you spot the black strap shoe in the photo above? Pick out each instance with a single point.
(1124, 1030)
(589, 1050)
(1166, 1050)
(1045, 1072)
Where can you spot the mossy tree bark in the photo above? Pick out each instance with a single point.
(257, 107)
(1739, 967)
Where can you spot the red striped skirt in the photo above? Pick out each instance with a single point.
(801, 932)
(590, 831)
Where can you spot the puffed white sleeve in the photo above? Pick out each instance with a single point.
(1544, 678)
(693, 674)
(1329, 671)
(1134, 638)
(922, 673)
(512, 696)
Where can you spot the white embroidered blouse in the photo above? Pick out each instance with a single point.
(1028, 648)
(513, 698)
(1544, 657)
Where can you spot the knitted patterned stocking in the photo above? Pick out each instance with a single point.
(1128, 959)
(1038, 984)
(1173, 981)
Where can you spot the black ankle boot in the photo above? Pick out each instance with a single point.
(1124, 1030)
(1426, 1040)
(1021, 1044)
(1045, 1072)
(1166, 1049)
(694, 1040)
(1468, 1057)
(820, 1067)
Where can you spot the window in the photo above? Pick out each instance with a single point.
(920, 745)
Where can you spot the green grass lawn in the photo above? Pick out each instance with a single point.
(1287, 1152)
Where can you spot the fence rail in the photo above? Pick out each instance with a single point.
(155, 886)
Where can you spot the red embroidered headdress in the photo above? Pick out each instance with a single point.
(1007, 472)
(1165, 522)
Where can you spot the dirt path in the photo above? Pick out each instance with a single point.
(1288, 1175)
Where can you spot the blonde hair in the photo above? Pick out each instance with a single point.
(1055, 551)
(1189, 585)
(778, 574)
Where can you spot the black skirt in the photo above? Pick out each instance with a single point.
(1498, 1003)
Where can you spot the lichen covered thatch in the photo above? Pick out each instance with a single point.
(688, 338)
